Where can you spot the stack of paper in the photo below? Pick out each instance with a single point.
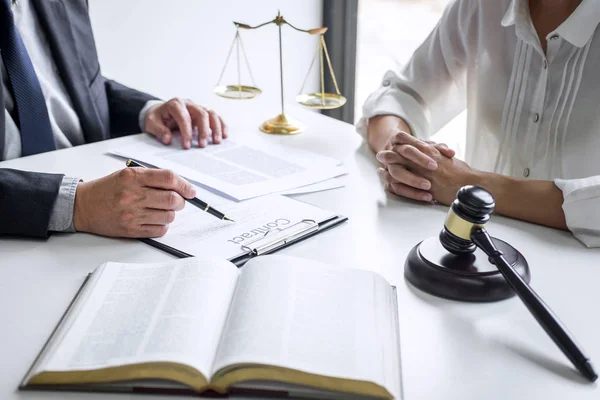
(242, 171)
(246, 182)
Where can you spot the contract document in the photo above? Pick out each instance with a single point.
(241, 171)
(198, 233)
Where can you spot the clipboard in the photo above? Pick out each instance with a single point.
(273, 241)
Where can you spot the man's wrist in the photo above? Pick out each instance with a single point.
(144, 112)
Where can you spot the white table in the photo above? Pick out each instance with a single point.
(450, 350)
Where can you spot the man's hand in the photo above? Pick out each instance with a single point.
(185, 116)
(409, 166)
(132, 202)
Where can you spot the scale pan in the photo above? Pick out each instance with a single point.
(323, 101)
(238, 92)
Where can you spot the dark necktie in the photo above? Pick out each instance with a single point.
(31, 111)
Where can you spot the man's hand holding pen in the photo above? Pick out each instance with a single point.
(144, 202)
(132, 202)
(204, 206)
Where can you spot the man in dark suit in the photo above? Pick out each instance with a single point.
(55, 96)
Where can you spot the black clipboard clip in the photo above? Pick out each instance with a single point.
(279, 237)
(273, 240)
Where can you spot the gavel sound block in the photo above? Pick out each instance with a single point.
(451, 266)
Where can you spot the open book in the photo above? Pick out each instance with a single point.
(279, 325)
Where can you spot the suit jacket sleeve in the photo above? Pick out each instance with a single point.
(124, 105)
(26, 202)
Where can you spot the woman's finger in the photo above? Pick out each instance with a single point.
(409, 192)
(416, 156)
(401, 175)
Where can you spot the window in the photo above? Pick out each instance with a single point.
(388, 33)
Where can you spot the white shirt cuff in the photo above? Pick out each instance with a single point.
(61, 217)
(144, 111)
(581, 204)
(394, 98)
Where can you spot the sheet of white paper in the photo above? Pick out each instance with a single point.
(242, 171)
(215, 200)
(198, 233)
(315, 187)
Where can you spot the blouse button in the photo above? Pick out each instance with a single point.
(554, 37)
(386, 82)
(526, 172)
(545, 64)
(536, 117)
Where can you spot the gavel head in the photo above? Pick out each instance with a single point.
(471, 209)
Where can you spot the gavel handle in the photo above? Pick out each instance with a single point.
(542, 313)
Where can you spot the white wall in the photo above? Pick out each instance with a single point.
(178, 47)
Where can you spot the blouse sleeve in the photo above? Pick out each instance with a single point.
(581, 205)
(430, 90)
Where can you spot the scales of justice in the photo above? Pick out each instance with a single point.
(281, 124)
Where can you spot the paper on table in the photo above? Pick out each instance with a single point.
(242, 171)
(315, 187)
(198, 233)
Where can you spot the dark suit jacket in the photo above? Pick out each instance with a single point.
(105, 108)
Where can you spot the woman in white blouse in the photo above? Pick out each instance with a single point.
(528, 73)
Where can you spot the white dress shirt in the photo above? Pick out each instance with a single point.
(64, 121)
(529, 114)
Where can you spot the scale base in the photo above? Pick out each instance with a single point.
(469, 277)
(282, 125)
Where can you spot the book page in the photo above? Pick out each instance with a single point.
(172, 311)
(197, 232)
(308, 316)
(237, 169)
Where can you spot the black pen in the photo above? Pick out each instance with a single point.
(195, 201)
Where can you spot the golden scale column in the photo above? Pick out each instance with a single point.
(281, 124)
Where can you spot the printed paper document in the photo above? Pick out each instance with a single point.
(196, 232)
(242, 171)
